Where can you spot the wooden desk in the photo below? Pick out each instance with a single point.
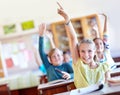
(115, 72)
(113, 90)
(107, 90)
(50, 89)
(25, 91)
(4, 89)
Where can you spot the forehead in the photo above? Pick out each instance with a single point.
(98, 41)
(56, 52)
(86, 46)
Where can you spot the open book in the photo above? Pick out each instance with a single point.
(89, 89)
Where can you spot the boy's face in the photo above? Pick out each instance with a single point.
(56, 58)
(66, 57)
(87, 52)
(99, 45)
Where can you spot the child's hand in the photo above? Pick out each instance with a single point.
(62, 13)
(66, 75)
(42, 29)
(103, 15)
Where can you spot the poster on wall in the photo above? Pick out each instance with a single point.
(27, 25)
(8, 29)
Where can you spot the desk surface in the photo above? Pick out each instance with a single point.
(55, 83)
(57, 86)
(115, 72)
(107, 90)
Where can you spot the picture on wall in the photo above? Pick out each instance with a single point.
(27, 25)
(8, 29)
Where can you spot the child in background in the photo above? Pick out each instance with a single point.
(38, 61)
(93, 28)
(37, 56)
(86, 70)
(67, 57)
(54, 66)
(103, 52)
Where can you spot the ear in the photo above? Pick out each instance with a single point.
(62, 57)
(49, 59)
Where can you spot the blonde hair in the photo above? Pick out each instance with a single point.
(53, 50)
(87, 41)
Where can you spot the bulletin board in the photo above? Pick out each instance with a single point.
(18, 54)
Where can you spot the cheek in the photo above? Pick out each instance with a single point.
(92, 54)
(51, 60)
(61, 58)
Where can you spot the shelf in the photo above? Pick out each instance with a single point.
(19, 34)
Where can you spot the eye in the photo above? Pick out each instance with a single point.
(82, 51)
(90, 51)
(58, 55)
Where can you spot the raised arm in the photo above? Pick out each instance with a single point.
(105, 30)
(105, 24)
(105, 34)
(50, 36)
(73, 41)
(44, 58)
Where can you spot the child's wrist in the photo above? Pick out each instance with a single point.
(67, 23)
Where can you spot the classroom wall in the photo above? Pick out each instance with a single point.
(15, 11)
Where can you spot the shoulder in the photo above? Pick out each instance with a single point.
(104, 66)
(65, 64)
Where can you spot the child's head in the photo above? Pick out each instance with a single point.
(87, 50)
(56, 57)
(67, 56)
(99, 45)
(92, 22)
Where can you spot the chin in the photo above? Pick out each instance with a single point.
(87, 62)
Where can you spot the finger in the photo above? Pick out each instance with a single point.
(59, 5)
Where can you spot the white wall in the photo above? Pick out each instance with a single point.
(14, 11)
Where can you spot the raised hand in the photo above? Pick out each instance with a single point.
(103, 15)
(42, 29)
(62, 12)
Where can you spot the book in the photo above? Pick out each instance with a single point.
(89, 89)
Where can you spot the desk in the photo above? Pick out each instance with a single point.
(4, 89)
(50, 89)
(107, 90)
(115, 72)
(113, 90)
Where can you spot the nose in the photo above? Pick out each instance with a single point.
(86, 54)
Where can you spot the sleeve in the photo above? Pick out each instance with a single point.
(106, 67)
(42, 53)
(106, 42)
(69, 70)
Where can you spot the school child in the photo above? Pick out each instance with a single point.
(102, 47)
(54, 61)
(86, 70)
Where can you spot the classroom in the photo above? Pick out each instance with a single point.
(22, 68)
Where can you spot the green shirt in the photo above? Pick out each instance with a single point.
(85, 76)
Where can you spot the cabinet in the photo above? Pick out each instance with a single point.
(85, 27)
